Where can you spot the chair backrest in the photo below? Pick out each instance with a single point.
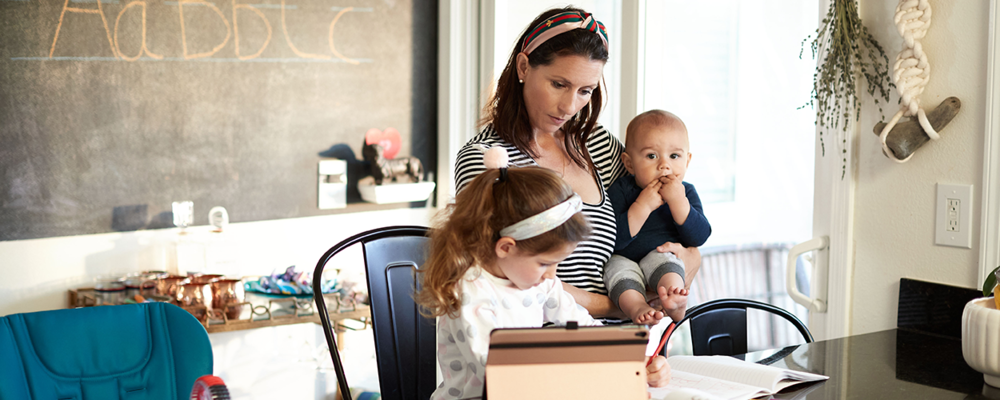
(719, 327)
(754, 271)
(151, 351)
(404, 340)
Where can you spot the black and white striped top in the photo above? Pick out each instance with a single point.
(584, 268)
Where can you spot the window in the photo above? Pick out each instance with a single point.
(731, 70)
(691, 70)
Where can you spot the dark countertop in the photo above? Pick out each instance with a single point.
(893, 364)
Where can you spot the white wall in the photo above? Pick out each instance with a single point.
(894, 216)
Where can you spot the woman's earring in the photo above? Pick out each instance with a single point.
(520, 81)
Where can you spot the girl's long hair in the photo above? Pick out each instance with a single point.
(466, 232)
(506, 110)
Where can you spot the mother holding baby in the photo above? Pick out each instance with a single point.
(544, 112)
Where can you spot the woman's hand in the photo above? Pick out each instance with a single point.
(691, 257)
(598, 305)
(658, 372)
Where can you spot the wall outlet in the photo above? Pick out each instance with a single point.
(954, 220)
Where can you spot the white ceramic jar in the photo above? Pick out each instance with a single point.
(981, 338)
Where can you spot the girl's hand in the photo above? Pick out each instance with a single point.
(658, 372)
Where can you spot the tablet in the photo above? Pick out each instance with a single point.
(599, 362)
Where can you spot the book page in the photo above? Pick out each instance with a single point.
(771, 379)
(682, 394)
(714, 388)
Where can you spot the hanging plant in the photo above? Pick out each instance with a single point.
(848, 50)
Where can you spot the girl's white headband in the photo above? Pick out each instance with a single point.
(496, 158)
(544, 221)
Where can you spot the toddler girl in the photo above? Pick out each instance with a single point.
(492, 264)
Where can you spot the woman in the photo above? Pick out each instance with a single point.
(544, 113)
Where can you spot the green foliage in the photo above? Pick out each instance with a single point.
(991, 281)
(848, 50)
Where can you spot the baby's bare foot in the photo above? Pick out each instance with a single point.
(674, 301)
(648, 317)
(634, 305)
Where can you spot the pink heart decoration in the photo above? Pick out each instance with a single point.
(389, 139)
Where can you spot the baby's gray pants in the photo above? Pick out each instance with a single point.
(622, 274)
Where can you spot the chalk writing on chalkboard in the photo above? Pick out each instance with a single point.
(114, 109)
(114, 30)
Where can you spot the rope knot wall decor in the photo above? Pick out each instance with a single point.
(911, 72)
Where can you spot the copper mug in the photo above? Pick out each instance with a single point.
(167, 286)
(205, 278)
(228, 292)
(195, 294)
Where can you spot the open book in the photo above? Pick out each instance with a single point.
(723, 377)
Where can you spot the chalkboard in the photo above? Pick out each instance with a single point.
(111, 110)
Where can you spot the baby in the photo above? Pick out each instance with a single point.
(653, 205)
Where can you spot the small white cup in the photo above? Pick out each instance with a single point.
(183, 213)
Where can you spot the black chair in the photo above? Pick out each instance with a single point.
(719, 327)
(404, 339)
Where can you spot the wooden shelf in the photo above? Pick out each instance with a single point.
(276, 312)
(277, 318)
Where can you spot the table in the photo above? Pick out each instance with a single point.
(891, 364)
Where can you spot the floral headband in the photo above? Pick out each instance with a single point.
(562, 23)
(497, 158)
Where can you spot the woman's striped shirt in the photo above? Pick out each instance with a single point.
(584, 268)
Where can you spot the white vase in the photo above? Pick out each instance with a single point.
(981, 338)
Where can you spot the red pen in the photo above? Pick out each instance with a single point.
(663, 341)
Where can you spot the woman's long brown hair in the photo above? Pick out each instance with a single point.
(506, 110)
(466, 232)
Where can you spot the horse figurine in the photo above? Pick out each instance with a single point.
(391, 170)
